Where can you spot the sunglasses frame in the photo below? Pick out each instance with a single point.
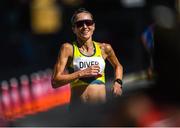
(80, 23)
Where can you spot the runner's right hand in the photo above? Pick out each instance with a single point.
(90, 71)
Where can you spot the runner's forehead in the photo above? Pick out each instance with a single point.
(83, 16)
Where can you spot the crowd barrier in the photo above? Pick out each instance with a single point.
(30, 94)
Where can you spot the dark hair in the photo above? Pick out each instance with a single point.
(80, 10)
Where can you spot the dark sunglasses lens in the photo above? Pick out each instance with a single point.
(79, 23)
(87, 22)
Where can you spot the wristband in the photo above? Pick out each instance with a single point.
(119, 81)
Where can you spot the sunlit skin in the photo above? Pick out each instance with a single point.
(92, 93)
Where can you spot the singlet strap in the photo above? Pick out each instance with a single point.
(98, 49)
(76, 50)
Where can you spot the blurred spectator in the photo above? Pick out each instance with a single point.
(148, 42)
(46, 17)
(167, 54)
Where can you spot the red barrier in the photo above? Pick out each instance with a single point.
(26, 95)
(32, 95)
(6, 100)
(15, 98)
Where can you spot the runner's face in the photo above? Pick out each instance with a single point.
(84, 26)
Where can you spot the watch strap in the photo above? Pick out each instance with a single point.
(119, 81)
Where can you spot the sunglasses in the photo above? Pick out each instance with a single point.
(82, 22)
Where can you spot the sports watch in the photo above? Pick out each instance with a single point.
(119, 81)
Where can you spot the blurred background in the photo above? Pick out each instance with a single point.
(144, 35)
